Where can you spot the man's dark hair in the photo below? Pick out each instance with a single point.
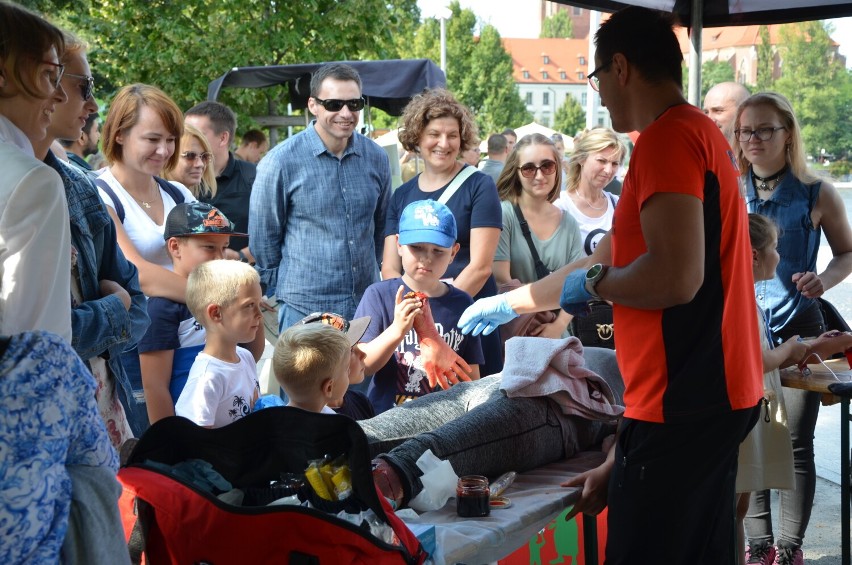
(646, 38)
(253, 136)
(221, 117)
(497, 143)
(336, 71)
(87, 129)
(509, 131)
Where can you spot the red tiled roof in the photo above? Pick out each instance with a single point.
(563, 54)
(737, 36)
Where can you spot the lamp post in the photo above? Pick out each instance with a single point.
(443, 15)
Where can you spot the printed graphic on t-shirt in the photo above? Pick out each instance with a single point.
(412, 381)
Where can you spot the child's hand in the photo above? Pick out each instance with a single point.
(828, 344)
(405, 311)
(796, 350)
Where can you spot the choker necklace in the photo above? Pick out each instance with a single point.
(763, 180)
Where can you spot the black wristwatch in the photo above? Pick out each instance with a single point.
(593, 276)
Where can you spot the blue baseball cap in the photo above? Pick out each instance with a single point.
(427, 221)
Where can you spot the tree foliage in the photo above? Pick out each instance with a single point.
(817, 86)
(712, 73)
(479, 70)
(570, 117)
(182, 46)
(558, 25)
(765, 61)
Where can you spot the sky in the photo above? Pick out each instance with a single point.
(520, 22)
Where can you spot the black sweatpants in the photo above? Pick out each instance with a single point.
(671, 492)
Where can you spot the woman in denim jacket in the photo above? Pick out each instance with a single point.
(109, 312)
(779, 185)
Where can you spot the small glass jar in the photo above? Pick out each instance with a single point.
(473, 497)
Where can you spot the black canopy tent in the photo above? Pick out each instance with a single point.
(698, 14)
(387, 85)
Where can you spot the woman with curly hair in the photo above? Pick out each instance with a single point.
(438, 128)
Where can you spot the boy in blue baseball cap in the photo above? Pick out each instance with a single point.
(393, 350)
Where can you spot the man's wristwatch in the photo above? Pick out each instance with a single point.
(593, 276)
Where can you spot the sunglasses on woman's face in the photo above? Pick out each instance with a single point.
(192, 156)
(529, 170)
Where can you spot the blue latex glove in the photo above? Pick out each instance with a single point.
(484, 315)
(575, 298)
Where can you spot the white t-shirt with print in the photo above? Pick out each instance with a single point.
(217, 392)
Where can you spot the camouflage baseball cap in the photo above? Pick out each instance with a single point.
(197, 218)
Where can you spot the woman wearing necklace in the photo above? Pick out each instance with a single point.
(530, 183)
(141, 137)
(598, 153)
(779, 185)
(438, 128)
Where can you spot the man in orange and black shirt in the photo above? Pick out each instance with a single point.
(677, 268)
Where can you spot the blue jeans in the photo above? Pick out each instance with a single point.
(135, 407)
(802, 412)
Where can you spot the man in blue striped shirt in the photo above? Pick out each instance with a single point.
(318, 206)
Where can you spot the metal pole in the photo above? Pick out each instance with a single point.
(694, 91)
(591, 95)
(444, 45)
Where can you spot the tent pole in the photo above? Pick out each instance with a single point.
(696, 31)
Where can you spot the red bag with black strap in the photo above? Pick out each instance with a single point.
(173, 521)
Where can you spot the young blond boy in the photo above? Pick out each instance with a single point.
(195, 232)
(225, 297)
(427, 245)
(311, 363)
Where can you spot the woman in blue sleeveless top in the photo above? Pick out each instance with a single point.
(778, 184)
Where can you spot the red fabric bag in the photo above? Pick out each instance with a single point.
(175, 522)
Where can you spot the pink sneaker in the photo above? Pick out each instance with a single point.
(763, 554)
(789, 556)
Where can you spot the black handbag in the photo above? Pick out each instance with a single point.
(595, 329)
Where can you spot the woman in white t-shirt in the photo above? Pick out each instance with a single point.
(597, 155)
(141, 137)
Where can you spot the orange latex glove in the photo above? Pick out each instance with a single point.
(443, 365)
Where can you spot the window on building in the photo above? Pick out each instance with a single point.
(528, 99)
(545, 98)
(563, 75)
(584, 99)
(600, 122)
(582, 60)
(545, 120)
(576, 11)
(544, 74)
(526, 74)
(545, 59)
(581, 75)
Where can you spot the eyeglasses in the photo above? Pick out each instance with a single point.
(529, 170)
(593, 77)
(87, 88)
(327, 318)
(192, 156)
(762, 134)
(335, 105)
(56, 76)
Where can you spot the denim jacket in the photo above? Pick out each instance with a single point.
(790, 207)
(100, 326)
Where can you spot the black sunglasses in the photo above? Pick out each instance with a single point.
(529, 170)
(327, 318)
(335, 105)
(192, 156)
(87, 87)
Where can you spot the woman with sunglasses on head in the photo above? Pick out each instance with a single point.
(779, 185)
(195, 168)
(141, 137)
(438, 128)
(597, 155)
(108, 311)
(35, 244)
(530, 183)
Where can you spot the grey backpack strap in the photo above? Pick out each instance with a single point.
(463, 175)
